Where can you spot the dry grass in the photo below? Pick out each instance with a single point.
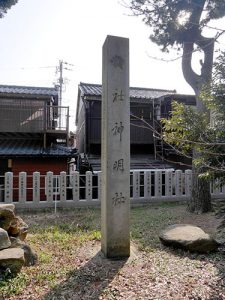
(71, 265)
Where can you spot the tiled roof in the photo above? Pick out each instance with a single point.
(32, 148)
(28, 90)
(88, 89)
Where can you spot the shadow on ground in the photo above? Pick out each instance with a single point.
(88, 281)
(204, 262)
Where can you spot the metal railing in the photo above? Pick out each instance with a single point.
(34, 118)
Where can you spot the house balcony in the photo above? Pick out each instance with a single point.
(34, 119)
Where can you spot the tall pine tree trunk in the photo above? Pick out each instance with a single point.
(200, 200)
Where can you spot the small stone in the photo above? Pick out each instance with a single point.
(6, 217)
(23, 233)
(4, 239)
(188, 237)
(30, 257)
(18, 228)
(7, 206)
(11, 259)
(15, 242)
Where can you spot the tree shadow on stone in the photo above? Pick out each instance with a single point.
(88, 281)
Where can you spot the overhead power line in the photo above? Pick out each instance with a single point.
(26, 68)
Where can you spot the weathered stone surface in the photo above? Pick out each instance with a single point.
(15, 242)
(23, 234)
(14, 252)
(188, 237)
(7, 206)
(4, 239)
(30, 257)
(6, 217)
(18, 228)
(115, 153)
(13, 259)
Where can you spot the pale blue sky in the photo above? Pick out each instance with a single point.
(36, 34)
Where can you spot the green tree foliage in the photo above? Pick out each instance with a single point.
(180, 24)
(189, 129)
(5, 5)
(174, 22)
(184, 128)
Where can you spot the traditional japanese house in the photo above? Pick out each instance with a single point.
(147, 106)
(33, 131)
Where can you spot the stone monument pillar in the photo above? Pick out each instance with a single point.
(115, 151)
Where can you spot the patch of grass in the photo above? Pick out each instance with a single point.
(110, 294)
(55, 239)
(46, 277)
(147, 222)
(58, 236)
(60, 242)
(13, 285)
(45, 258)
(168, 204)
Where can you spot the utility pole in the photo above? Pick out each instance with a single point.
(61, 81)
(62, 66)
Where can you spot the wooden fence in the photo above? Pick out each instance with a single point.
(75, 190)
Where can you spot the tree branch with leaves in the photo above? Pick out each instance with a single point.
(189, 130)
(179, 24)
(5, 5)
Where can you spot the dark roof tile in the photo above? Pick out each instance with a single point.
(88, 89)
(32, 148)
(28, 90)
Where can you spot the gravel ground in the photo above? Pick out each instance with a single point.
(152, 272)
